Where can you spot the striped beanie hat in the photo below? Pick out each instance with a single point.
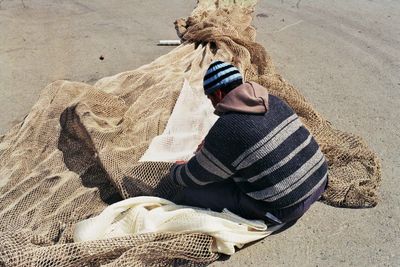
(220, 75)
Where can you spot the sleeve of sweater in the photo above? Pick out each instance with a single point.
(202, 169)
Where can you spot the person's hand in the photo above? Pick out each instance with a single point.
(200, 146)
(180, 162)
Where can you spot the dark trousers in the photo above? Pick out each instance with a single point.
(218, 196)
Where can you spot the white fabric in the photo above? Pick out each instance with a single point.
(156, 215)
(190, 121)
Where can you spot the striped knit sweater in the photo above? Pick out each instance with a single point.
(271, 156)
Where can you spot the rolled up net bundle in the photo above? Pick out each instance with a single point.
(78, 150)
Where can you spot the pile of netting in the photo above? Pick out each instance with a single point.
(78, 150)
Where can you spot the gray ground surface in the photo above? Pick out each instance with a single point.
(343, 55)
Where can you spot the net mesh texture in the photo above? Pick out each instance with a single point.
(78, 150)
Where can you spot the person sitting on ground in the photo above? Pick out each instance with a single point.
(258, 160)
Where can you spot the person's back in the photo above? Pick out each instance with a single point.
(271, 156)
(258, 153)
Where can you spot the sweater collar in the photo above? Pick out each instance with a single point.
(248, 97)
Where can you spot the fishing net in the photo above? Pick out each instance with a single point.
(78, 150)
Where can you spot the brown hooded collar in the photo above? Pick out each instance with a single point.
(248, 97)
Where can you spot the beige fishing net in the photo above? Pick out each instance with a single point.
(78, 150)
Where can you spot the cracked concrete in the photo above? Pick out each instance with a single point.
(344, 56)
